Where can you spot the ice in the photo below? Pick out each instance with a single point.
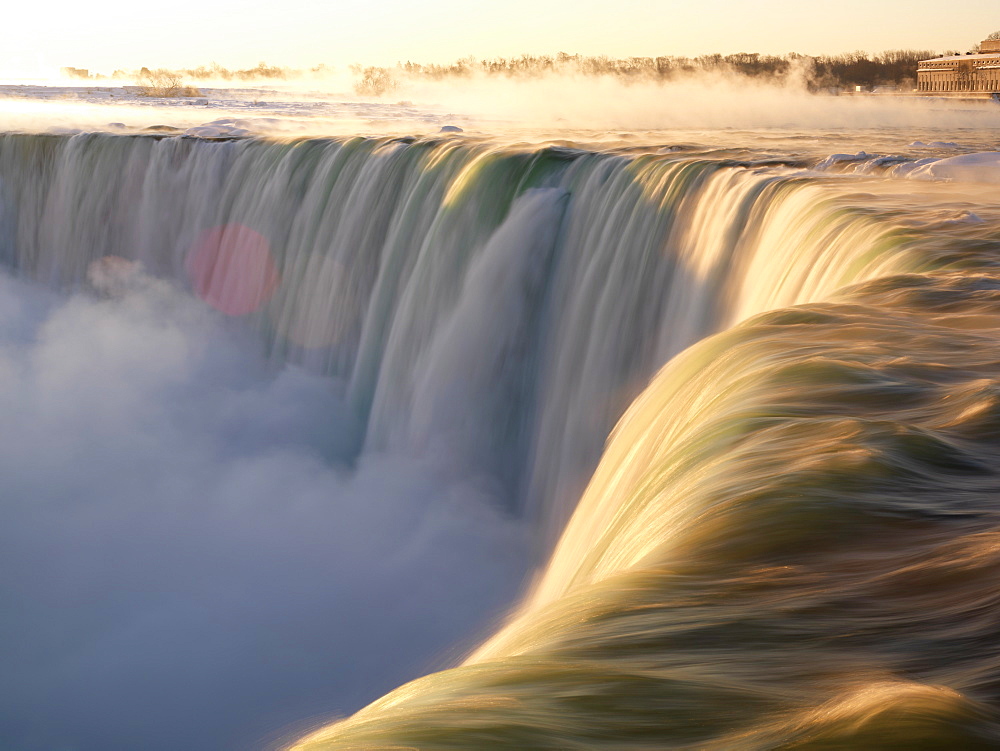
(981, 167)
(216, 113)
(216, 131)
(836, 159)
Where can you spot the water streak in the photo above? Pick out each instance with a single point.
(789, 539)
(376, 243)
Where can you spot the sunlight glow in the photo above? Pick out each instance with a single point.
(304, 33)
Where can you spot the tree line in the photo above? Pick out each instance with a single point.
(891, 68)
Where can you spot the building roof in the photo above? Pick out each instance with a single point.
(992, 52)
(989, 50)
(953, 58)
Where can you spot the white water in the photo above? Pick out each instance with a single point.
(450, 329)
(378, 245)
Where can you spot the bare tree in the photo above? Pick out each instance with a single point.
(163, 83)
(375, 82)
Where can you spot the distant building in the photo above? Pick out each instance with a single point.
(970, 75)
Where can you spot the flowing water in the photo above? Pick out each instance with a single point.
(789, 539)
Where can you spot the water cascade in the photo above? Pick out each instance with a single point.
(789, 537)
(369, 261)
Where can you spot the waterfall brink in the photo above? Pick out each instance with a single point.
(790, 540)
(402, 268)
(747, 410)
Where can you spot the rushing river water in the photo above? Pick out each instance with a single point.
(288, 420)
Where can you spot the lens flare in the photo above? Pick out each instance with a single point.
(232, 269)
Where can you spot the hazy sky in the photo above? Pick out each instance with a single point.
(40, 37)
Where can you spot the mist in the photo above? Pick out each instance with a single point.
(192, 555)
(547, 105)
(186, 545)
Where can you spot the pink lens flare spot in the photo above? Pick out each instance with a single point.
(231, 268)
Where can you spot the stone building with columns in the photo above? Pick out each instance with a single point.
(972, 75)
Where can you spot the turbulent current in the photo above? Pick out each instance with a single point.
(289, 420)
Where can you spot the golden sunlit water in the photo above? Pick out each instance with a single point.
(682, 436)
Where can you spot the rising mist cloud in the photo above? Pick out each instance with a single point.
(187, 558)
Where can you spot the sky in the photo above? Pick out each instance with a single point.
(35, 38)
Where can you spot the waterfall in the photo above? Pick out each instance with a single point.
(740, 415)
(791, 540)
(546, 286)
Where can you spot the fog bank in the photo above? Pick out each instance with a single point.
(183, 545)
